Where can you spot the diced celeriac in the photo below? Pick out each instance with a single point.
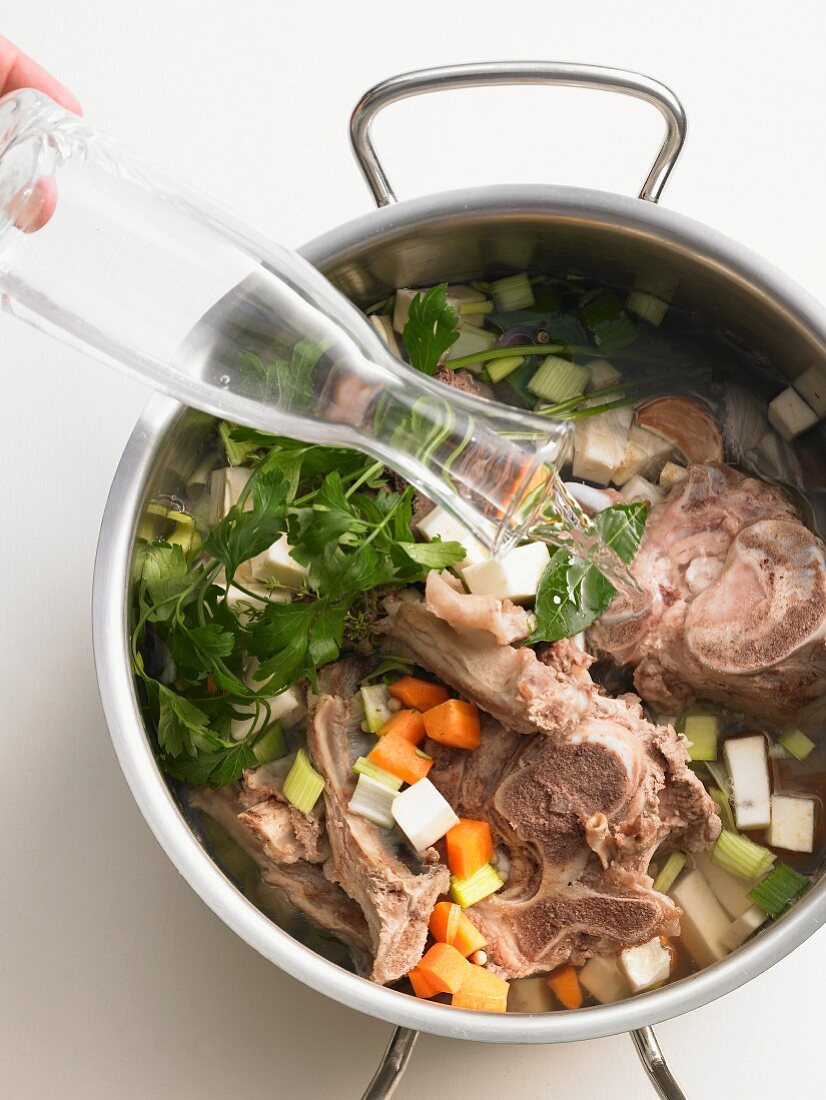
(530, 995)
(440, 524)
(592, 500)
(811, 385)
(603, 979)
(744, 926)
(645, 454)
(423, 815)
(748, 766)
(515, 576)
(646, 965)
(276, 565)
(384, 327)
(288, 708)
(401, 309)
(600, 443)
(671, 474)
(730, 891)
(790, 414)
(704, 922)
(225, 487)
(793, 823)
(640, 489)
(602, 374)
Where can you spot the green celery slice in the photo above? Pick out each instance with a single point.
(271, 745)
(363, 766)
(741, 856)
(303, 784)
(797, 743)
(481, 884)
(669, 871)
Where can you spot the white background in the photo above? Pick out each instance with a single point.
(115, 979)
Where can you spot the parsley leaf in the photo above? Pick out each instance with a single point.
(242, 534)
(178, 720)
(572, 593)
(434, 555)
(432, 327)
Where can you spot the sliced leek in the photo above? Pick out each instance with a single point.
(778, 889)
(374, 801)
(363, 766)
(481, 884)
(669, 871)
(741, 856)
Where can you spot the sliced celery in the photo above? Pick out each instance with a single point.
(669, 871)
(741, 856)
(363, 766)
(499, 369)
(779, 889)
(702, 732)
(373, 801)
(797, 743)
(375, 699)
(648, 307)
(271, 745)
(471, 341)
(724, 807)
(468, 309)
(481, 884)
(513, 292)
(303, 784)
(558, 379)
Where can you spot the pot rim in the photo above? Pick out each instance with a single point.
(122, 711)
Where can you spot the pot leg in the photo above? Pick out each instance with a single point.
(392, 1065)
(655, 1065)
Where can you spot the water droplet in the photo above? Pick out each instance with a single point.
(224, 379)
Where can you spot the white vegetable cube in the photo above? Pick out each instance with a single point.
(671, 474)
(288, 708)
(793, 823)
(730, 891)
(384, 327)
(603, 979)
(401, 310)
(600, 443)
(811, 385)
(744, 926)
(790, 414)
(515, 576)
(440, 524)
(276, 565)
(642, 490)
(645, 454)
(748, 766)
(225, 487)
(704, 923)
(603, 374)
(646, 965)
(423, 815)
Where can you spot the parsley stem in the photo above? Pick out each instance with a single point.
(369, 473)
(502, 353)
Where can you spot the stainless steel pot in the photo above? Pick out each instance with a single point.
(453, 236)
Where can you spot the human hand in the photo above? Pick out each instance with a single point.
(19, 71)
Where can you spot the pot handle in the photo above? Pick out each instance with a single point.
(395, 1059)
(481, 74)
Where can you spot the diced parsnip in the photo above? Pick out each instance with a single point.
(374, 698)
(704, 923)
(276, 565)
(384, 327)
(730, 891)
(790, 414)
(648, 307)
(603, 979)
(646, 965)
(671, 474)
(645, 454)
(811, 385)
(744, 926)
(640, 489)
(401, 309)
(602, 373)
(515, 576)
(600, 443)
(748, 766)
(423, 814)
(793, 823)
(225, 487)
(470, 341)
(592, 500)
(530, 995)
(440, 524)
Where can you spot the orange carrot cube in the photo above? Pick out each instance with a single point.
(454, 723)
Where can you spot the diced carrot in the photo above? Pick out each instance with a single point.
(400, 757)
(565, 985)
(454, 723)
(444, 968)
(422, 985)
(469, 847)
(482, 991)
(419, 694)
(468, 938)
(444, 921)
(408, 723)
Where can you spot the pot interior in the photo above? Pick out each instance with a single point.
(621, 243)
